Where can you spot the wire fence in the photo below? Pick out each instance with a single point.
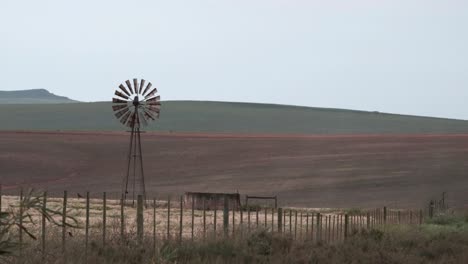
(100, 218)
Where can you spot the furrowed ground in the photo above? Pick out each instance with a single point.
(400, 171)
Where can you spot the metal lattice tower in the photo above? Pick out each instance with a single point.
(135, 106)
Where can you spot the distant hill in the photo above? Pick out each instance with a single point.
(33, 96)
(222, 117)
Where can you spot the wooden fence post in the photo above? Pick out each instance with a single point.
(193, 217)
(346, 226)
(87, 225)
(21, 223)
(154, 226)
(248, 218)
(290, 222)
(139, 218)
(280, 220)
(300, 226)
(295, 224)
(204, 218)
(122, 219)
(226, 216)
(64, 220)
(181, 222)
(368, 220)
(256, 219)
(273, 220)
(266, 217)
(420, 217)
(168, 217)
(215, 217)
(318, 228)
(104, 220)
(385, 215)
(43, 232)
(399, 217)
(233, 220)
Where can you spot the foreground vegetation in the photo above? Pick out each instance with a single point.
(443, 239)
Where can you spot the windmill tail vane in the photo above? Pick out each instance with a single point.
(135, 104)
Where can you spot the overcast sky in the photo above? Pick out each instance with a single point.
(399, 56)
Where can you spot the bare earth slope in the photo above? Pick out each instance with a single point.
(322, 171)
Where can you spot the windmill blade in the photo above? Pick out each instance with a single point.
(149, 115)
(154, 108)
(121, 95)
(122, 112)
(123, 89)
(118, 107)
(142, 84)
(129, 85)
(153, 100)
(152, 93)
(132, 121)
(118, 101)
(124, 119)
(143, 119)
(147, 88)
(135, 84)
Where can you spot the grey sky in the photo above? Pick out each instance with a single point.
(400, 56)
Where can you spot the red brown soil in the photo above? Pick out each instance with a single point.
(313, 171)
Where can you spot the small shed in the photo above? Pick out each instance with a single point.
(211, 200)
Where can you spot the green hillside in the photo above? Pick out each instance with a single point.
(197, 116)
(32, 96)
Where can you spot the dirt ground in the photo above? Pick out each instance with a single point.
(311, 171)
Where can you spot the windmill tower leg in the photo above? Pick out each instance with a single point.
(125, 181)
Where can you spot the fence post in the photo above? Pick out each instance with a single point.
(256, 213)
(266, 217)
(43, 233)
(154, 226)
(139, 218)
(181, 219)
(64, 220)
(290, 222)
(204, 218)
(122, 218)
(226, 216)
(168, 217)
(295, 224)
(318, 228)
(0, 198)
(273, 219)
(248, 218)
(193, 215)
(385, 215)
(431, 209)
(87, 225)
(399, 217)
(215, 217)
(280, 220)
(21, 223)
(420, 217)
(104, 220)
(368, 220)
(346, 225)
(233, 220)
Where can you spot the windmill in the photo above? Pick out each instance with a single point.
(134, 106)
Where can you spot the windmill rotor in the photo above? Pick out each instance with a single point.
(135, 104)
